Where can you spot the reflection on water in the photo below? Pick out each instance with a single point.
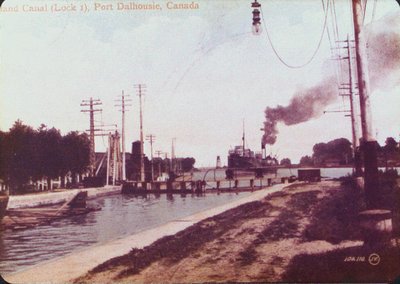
(219, 174)
(121, 215)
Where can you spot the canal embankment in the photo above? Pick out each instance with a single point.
(57, 197)
(67, 268)
(304, 233)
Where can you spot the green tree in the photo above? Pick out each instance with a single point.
(285, 162)
(187, 164)
(306, 161)
(48, 148)
(389, 152)
(321, 153)
(341, 150)
(337, 149)
(19, 154)
(75, 153)
(390, 145)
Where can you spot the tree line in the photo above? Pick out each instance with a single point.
(29, 155)
(339, 152)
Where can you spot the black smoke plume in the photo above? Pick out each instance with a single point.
(306, 104)
(383, 49)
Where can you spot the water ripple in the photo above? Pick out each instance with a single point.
(121, 215)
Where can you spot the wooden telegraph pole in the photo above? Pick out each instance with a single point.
(123, 109)
(140, 89)
(348, 88)
(151, 138)
(369, 144)
(158, 153)
(91, 103)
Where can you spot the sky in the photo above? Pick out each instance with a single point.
(205, 72)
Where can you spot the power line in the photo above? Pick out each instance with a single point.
(101, 123)
(334, 49)
(140, 92)
(334, 13)
(123, 109)
(91, 103)
(373, 10)
(151, 139)
(372, 19)
(341, 75)
(280, 57)
(158, 153)
(205, 53)
(336, 38)
(364, 8)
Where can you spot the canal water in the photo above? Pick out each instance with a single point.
(121, 215)
(219, 174)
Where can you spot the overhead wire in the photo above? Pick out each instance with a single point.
(205, 53)
(327, 28)
(351, 22)
(372, 19)
(365, 10)
(102, 124)
(334, 44)
(373, 10)
(280, 57)
(337, 46)
(334, 19)
(342, 70)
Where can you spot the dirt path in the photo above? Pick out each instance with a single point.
(258, 241)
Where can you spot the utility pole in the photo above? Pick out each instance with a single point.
(114, 160)
(151, 138)
(173, 154)
(353, 119)
(140, 89)
(166, 162)
(243, 139)
(91, 103)
(349, 93)
(354, 124)
(114, 163)
(123, 106)
(108, 159)
(158, 153)
(369, 144)
(110, 151)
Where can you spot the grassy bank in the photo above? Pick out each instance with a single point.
(306, 233)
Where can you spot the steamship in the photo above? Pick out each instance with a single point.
(241, 157)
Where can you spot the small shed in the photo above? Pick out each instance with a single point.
(309, 175)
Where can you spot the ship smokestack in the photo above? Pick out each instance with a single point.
(263, 151)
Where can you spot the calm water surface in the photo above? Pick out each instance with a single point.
(121, 215)
(219, 174)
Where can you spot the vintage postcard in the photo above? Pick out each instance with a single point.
(199, 141)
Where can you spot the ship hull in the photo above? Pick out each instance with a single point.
(238, 162)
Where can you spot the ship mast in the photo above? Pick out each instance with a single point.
(243, 139)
